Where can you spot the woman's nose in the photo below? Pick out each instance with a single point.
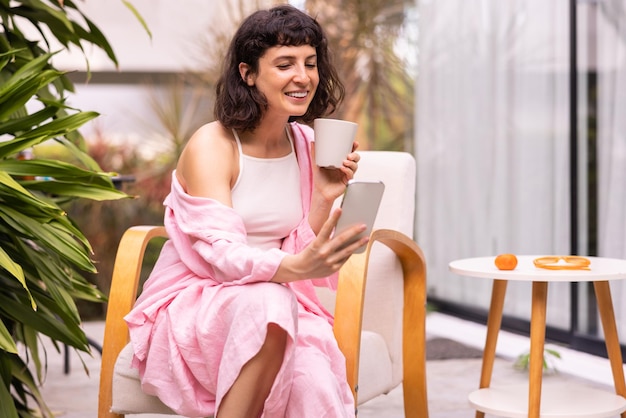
(302, 74)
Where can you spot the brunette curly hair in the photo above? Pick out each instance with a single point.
(239, 106)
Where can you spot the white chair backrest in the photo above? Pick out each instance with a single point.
(384, 290)
(397, 171)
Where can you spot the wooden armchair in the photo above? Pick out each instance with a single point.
(403, 267)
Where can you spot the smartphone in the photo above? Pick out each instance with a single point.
(359, 205)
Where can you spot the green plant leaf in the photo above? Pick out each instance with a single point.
(138, 16)
(6, 340)
(17, 125)
(22, 373)
(59, 240)
(16, 271)
(30, 341)
(53, 129)
(7, 406)
(15, 98)
(553, 352)
(95, 36)
(12, 190)
(45, 324)
(59, 170)
(37, 12)
(88, 191)
(79, 154)
(12, 267)
(43, 253)
(31, 68)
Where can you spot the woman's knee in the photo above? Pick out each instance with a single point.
(276, 338)
(253, 306)
(268, 296)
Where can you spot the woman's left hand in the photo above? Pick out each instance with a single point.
(328, 185)
(331, 182)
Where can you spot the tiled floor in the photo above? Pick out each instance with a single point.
(74, 395)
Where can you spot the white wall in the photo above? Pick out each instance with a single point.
(174, 26)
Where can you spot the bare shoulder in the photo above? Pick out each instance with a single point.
(210, 137)
(208, 162)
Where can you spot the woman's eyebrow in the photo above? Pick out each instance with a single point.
(287, 56)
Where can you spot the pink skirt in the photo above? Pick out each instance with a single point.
(202, 339)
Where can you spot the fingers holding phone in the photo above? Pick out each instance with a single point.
(350, 238)
(345, 232)
(359, 205)
(332, 248)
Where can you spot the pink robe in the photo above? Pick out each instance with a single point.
(204, 311)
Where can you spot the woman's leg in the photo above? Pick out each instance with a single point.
(319, 387)
(247, 395)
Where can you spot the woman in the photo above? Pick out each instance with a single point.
(229, 323)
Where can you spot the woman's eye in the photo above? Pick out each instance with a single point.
(311, 65)
(283, 66)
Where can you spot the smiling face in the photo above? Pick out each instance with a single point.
(287, 76)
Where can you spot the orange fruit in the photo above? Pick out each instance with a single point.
(506, 261)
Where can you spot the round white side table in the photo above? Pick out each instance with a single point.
(535, 401)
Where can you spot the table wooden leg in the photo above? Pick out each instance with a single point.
(537, 340)
(611, 339)
(494, 320)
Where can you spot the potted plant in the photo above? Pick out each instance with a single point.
(42, 251)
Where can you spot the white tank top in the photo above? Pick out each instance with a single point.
(267, 196)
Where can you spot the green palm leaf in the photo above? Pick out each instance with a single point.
(6, 340)
(58, 170)
(16, 271)
(44, 256)
(50, 130)
(58, 240)
(7, 407)
(17, 125)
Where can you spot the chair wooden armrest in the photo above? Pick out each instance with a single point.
(124, 284)
(349, 316)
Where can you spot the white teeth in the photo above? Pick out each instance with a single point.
(297, 95)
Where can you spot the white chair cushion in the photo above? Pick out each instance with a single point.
(374, 367)
(128, 398)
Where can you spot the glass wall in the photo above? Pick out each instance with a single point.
(506, 149)
(606, 29)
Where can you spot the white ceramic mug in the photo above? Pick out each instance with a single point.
(333, 141)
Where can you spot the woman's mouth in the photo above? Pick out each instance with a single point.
(297, 94)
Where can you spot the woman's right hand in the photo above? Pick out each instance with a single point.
(324, 256)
